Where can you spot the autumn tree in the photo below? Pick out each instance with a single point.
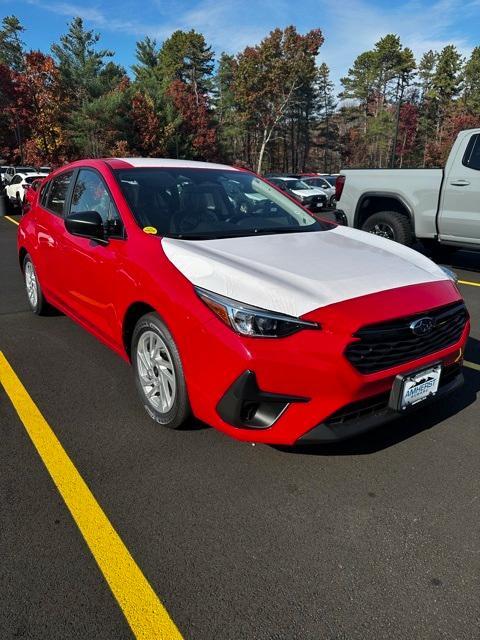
(38, 93)
(268, 77)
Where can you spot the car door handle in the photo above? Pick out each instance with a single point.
(459, 183)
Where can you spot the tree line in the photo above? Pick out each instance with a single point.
(271, 107)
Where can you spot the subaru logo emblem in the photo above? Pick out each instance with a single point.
(422, 326)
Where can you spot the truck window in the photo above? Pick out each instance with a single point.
(471, 159)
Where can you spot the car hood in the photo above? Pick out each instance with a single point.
(300, 272)
(308, 192)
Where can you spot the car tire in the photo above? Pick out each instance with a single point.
(159, 378)
(35, 297)
(392, 225)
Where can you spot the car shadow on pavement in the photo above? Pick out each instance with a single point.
(406, 427)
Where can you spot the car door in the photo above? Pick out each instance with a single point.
(14, 187)
(49, 229)
(459, 219)
(91, 268)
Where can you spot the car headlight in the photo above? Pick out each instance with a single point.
(451, 274)
(252, 321)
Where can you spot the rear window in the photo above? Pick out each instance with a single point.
(30, 179)
(471, 159)
(25, 170)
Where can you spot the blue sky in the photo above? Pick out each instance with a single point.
(349, 26)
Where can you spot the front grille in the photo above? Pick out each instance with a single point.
(390, 344)
(318, 199)
(378, 405)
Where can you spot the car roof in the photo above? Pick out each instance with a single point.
(31, 174)
(126, 163)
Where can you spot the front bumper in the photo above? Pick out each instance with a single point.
(376, 412)
(305, 376)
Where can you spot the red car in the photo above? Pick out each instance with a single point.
(31, 191)
(234, 304)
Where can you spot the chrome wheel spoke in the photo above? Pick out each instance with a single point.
(156, 371)
(31, 284)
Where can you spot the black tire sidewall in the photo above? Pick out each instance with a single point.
(177, 415)
(399, 223)
(39, 307)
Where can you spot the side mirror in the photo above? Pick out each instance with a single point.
(86, 224)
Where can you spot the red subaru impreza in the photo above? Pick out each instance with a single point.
(233, 303)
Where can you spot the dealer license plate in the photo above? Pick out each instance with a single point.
(419, 386)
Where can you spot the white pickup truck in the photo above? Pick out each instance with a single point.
(436, 206)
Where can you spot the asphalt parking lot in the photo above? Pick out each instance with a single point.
(374, 538)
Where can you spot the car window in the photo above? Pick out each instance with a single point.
(55, 200)
(44, 194)
(199, 204)
(17, 180)
(91, 194)
(471, 158)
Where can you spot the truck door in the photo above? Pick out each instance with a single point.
(459, 218)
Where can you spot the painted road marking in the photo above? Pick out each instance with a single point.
(472, 365)
(11, 220)
(141, 606)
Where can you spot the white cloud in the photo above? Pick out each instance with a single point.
(349, 27)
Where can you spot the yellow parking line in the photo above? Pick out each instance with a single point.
(472, 284)
(472, 365)
(11, 220)
(141, 606)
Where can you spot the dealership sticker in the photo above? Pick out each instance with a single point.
(150, 230)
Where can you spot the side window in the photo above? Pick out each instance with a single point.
(55, 200)
(17, 180)
(44, 194)
(471, 158)
(91, 194)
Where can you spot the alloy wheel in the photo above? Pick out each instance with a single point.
(156, 371)
(384, 230)
(31, 284)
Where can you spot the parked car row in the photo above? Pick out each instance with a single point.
(304, 186)
(17, 181)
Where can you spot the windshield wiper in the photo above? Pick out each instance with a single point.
(247, 233)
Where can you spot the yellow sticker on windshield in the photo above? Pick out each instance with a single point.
(150, 230)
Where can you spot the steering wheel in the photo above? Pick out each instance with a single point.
(188, 220)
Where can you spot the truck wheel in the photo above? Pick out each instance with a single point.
(391, 225)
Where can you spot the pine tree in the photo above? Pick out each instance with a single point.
(11, 46)
(471, 92)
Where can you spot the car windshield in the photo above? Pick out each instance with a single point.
(201, 204)
(318, 182)
(331, 179)
(298, 184)
(25, 170)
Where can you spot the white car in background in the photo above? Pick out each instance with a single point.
(11, 171)
(319, 182)
(15, 190)
(311, 197)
